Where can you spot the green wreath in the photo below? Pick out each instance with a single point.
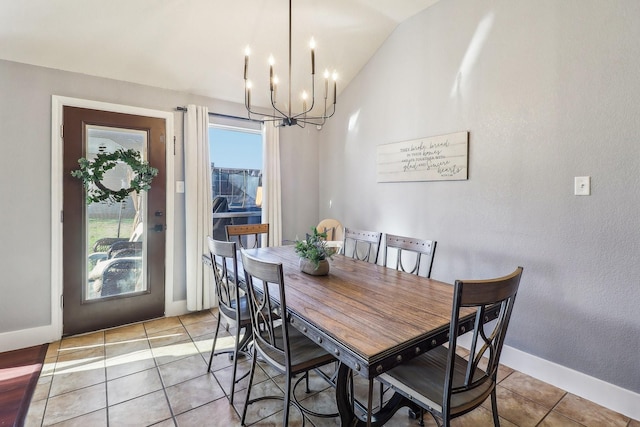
(92, 172)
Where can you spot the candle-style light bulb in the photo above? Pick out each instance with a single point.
(335, 90)
(312, 45)
(304, 100)
(275, 87)
(249, 93)
(326, 83)
(271, 62)
(247, 52)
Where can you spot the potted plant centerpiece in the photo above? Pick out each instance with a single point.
(314, 253)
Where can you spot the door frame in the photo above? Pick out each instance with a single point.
(57, 105)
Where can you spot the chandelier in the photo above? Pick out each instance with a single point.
(283, 116)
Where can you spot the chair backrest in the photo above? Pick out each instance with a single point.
(479, 294)
(333, 228)
(241, 234)
(225, 272)
(362, 245)
(121, 276)
(265, 291)
(422, 252)
(220, 205)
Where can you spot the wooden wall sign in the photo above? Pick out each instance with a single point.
(435, 158)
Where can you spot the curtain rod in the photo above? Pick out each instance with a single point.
(226, 116)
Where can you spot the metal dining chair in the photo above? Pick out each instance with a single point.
(284, 348)
(232, 305)
(241, 234)
(445, 384)
(421, 253)
(361, 245)
(333, 228)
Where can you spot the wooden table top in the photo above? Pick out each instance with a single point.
(375, 313)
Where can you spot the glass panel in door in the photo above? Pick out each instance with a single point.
(115, 232)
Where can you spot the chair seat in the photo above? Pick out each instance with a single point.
(230, 312)
(421, 380)
(305, 353)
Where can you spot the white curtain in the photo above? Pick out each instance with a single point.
(271, 205)
(198, 215)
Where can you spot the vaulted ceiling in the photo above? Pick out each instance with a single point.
(197, 46)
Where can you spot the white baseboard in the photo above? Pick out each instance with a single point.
(176, 308)
(610, 396)
(24, 338)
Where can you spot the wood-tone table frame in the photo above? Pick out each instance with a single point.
(371, 318)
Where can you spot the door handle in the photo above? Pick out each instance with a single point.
(158, 228)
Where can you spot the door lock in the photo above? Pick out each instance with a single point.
(158, 228)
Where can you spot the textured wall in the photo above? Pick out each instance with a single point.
(25, 179)
(548, 90)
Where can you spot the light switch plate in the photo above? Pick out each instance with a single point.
(179, 186)
(582, 186)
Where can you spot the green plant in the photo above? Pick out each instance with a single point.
(92, 172)
(314, 247)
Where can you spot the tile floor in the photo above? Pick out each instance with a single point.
(154, 373)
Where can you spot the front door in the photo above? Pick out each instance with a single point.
(113, 253)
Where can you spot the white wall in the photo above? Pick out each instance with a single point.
(548, 90)
(25, 182)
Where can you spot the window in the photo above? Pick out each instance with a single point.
(236, 166)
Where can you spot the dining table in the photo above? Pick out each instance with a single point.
(370, 317)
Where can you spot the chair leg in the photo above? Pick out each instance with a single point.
(494, 408)
(213, 346)
(287, 402)
(246, 399)
(235, 365)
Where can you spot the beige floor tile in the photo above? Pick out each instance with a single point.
(166, 423)
(52, 349)
(480, 417)
(263, 408)
(125, 333)
(517, 409)
(35, 414)
(142, 411)
(77, 377)
(199, 316)
(48, 367)
(168, 336)
(193, 393)
(82, 342)
(589, 413)
(295, 419)
(155, 326)
(132, 386)
(68, 360)
(201, 328)
(173, 352)
(43, 387)
(555, 419)
(540, 392)
(94, 419)
(321, 402)
(73, 404)
(225, 376)
(136, 360)
(129, 363)
(218, 410)
(182, 370)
